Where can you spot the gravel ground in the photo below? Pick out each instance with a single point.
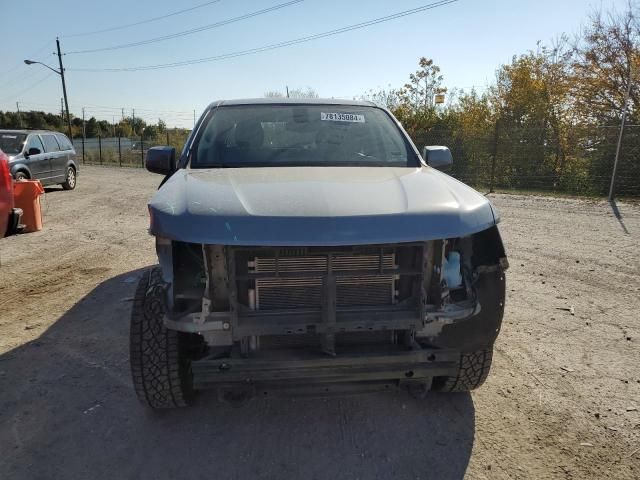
(561, 402)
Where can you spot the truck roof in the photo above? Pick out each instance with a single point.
(292, 101)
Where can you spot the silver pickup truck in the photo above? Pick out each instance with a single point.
(306, 246)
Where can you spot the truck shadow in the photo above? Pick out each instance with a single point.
(67, 410)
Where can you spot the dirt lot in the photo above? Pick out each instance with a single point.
(561, 401)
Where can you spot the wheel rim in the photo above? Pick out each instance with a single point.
(71, 178)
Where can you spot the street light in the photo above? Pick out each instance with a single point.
(31, 62)
(64, 86)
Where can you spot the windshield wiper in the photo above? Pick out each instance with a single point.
(364, 155)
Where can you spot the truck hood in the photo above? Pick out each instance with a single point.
(289, 206)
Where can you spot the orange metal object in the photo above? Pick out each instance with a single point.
(26, 194)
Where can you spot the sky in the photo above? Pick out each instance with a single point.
(468, 39)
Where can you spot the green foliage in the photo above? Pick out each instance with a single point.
(93, 128)
(550, 121)
(418, 94)
(32, 119)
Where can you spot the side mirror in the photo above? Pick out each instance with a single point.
(161, 160)
(33, 151)
(438, 157)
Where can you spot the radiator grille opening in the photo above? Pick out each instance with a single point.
(312, 340)
(306, 291)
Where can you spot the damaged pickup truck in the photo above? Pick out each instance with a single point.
(305, 246)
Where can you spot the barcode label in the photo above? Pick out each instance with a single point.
(342, 117)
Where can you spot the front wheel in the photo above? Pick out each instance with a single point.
(160, 367)
(21, 176)
(70, 179)
(473, 370)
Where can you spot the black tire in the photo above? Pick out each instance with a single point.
(472, 372)
(21, 176)
(70, 179)
(160, 369)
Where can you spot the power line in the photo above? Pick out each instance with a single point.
(21, 92)
(190, 31)
(154, 19)
(274, 45)
(104, 109)
(184, 117)
(21, 74)
(21, 64)
(19, 78)
(149, 111)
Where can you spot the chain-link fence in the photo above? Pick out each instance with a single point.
(577, 162)
(123, 151)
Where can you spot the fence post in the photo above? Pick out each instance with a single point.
(119, 152)
(141, 151)
(168, 138)
(619, 144)
(100, 148)
(83, 149)
(494, 154)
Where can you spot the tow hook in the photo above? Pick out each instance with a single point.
(419, 388)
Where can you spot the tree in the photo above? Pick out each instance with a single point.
(413, 104)
(150, 131)
(273, 94)
(384, 97)
(307, 92)
(423, 85)
(91, 128)
(606, 57)
(606, 66)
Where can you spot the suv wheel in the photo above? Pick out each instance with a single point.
(70, 179)
(21, 176)
(472, 372)
(160, 368)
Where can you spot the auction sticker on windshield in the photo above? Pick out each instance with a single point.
(342, 117)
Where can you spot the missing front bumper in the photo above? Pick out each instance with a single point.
(297, 367)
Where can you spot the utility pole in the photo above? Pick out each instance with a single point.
(194, 119)
(61, 110)
(64, 89)
(19, 116)
(287, 87)
(133, 122)
(624, 119)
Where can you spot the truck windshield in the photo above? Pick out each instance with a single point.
(12, 143)
(301, 135)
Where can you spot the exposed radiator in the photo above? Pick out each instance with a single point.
(306, 291)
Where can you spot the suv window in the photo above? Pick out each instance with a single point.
(11, 143)
(50, 143)
(33, 142)
(64, 142)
